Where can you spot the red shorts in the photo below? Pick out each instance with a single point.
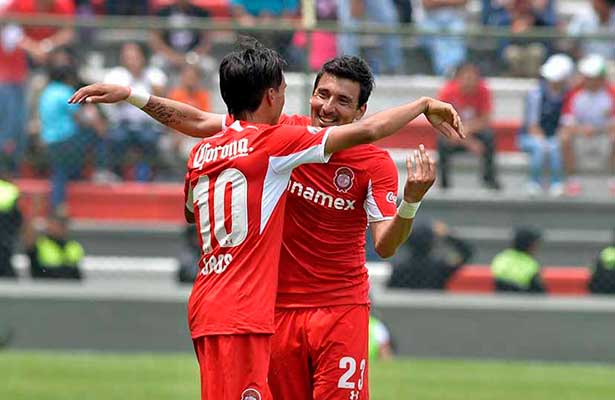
(320, 353)
(233, 367)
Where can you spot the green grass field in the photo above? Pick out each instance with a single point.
(96, 376)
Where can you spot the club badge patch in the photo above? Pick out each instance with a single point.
(250, 394)
(344, 178)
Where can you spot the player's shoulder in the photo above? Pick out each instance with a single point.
(295, 119)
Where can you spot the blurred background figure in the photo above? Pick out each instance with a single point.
(21, 48)
(52, 253)
(471, 96)
(61, 126)
(133, 135)
(538, 135)
(524, 56)
(175, 47)
(516, 269)
(189, 256)
(10, 225)
(598, 18)
(176, 147)
(123, 7)
(323, 44)
(380, 347)
(384, 12)
(253, 13)
(429, 258)
(446, 53)
(588, 132)
(603, 274)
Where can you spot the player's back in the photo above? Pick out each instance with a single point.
(235, 186)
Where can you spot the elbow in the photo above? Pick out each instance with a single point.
(384, 251)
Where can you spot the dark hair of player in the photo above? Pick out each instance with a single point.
(351, 68)
(247, 73)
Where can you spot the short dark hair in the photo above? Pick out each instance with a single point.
(351, 68)
(525, 238)
(247, 73)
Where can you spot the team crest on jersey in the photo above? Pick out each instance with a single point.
(250, 394)
(344, 178)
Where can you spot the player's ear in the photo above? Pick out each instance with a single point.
(360, 112)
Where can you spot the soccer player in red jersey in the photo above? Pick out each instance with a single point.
(348, 315)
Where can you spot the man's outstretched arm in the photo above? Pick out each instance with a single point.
(442, 117)
(174, 114)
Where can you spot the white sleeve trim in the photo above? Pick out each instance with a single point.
(190, 199)
(315, 154)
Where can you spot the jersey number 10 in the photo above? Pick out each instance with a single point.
(239, 208)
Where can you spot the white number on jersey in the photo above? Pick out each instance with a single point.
(239, 209)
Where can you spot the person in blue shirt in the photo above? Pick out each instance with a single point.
(538, 135)
(61, 126)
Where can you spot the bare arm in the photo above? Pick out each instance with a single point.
(442, 116)
(389, 235)
(174, 114)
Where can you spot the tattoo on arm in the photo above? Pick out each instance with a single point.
(164, 114)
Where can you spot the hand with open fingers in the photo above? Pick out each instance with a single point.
(421, 175)
(100, 93)
(444, 118)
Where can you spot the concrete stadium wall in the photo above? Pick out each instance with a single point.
(88, 317)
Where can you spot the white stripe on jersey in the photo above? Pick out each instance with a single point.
(371, 206)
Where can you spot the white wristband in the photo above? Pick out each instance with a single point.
(138, 98)
(408, 210)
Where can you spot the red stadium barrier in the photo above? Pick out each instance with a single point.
(558, 280)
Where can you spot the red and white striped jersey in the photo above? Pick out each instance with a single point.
(236, 186)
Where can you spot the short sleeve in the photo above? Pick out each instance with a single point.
(567, 117)
(291, 146)
(533, 108)
(485, 105)
(445, 93)
(381, 199)
(188, 195)
(156, 77)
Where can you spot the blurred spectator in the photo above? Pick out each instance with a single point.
(516, 269)
(133, 135)
(250, 13)
(176, 147)
(601, 17)
(52, 254)
(10, 224)
(538, 136)
(351, 13)
(123, 7)
(603, 275)
(418, 265)
(444, 16)
(189, 256)
(588, 120)
(404, 10)
(323, 45)
(60, 130)
(524, 56)
(469, 94)
(17, 44)
(379, 340)
(175, 47)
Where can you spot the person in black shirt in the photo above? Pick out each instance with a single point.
(175, 47)
(421, 263)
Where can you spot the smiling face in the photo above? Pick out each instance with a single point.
(335, 102)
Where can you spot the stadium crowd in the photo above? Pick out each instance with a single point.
(41, 136)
